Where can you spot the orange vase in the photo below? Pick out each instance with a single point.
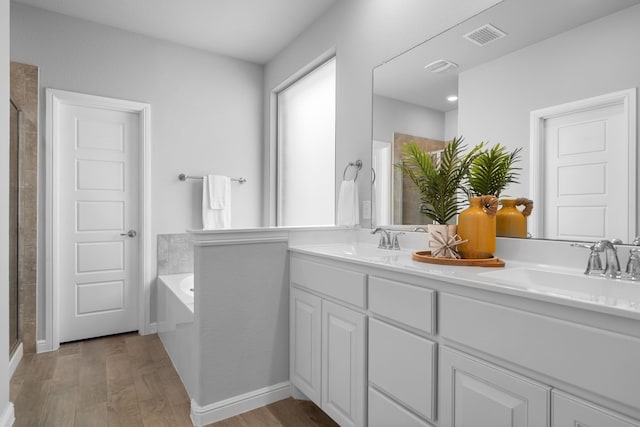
(510, 221)
(477, 225)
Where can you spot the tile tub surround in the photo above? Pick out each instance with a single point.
(175, 254)
(24, 91)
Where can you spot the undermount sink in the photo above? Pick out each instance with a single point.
(363, 252)
(598, 290)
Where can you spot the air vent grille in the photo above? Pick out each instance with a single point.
(440, 66)
(485, 35)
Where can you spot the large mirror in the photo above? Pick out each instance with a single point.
(555, 77)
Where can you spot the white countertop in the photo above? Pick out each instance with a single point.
(563, 286)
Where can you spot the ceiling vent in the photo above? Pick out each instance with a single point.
(484, 35)
(440, 66)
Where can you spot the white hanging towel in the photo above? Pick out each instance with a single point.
(348, 210)
(216, 202)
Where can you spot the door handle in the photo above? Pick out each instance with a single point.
(130, 233)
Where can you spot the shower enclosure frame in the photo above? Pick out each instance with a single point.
(15, 326)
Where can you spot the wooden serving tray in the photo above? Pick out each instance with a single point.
(425, 256)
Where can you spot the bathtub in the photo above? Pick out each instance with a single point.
(175, 324)
(181, 285)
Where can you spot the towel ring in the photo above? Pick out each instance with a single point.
(357, 164)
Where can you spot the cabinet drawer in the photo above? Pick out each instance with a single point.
(407, 304)
(402, 365)
(384, 412)
(590, 358)
(569, 411)
(345, 285)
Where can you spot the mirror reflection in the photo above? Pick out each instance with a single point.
(557, 78)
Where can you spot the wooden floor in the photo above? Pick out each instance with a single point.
(124, 380)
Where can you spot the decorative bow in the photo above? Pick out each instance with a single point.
(444, 246)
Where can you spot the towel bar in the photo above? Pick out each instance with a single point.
(183, 177)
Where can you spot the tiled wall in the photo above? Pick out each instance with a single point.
(24, 91)
(175, 254)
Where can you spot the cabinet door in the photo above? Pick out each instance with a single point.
(569, 411)
(343, 364)
(305, 342)
(477, 394)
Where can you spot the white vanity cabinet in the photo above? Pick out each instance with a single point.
(327, 339)
(381, 346)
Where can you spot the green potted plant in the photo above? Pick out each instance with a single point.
(439, 180)
(490, 172)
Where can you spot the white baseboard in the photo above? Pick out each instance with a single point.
(14, 361)
(203, 415)
(152, 328)
(8, 416)
(43, 346)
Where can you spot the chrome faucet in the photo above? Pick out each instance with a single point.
(385, 238)
(612, 266)
(594, 265)
(633, 265)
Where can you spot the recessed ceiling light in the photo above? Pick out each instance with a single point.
(452, 98)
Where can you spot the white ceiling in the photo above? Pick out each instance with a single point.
(252, 30)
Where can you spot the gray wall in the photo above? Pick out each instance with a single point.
(590, 60)
(206, 109)
(363, 33)
(391, 115)
(4, 209)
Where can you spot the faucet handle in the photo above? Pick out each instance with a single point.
(395, 244)
(594, 264)
(633, 265)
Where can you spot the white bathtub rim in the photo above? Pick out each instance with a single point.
(172, 282)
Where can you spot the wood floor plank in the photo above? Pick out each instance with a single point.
(60, 406)
(67, 369)
(174, 390)
(156, 413)
(260, 417)
(95, 415)
(182, 414)
(42, 366)
(123, 407)
(30, 402)
(149, 386)
(293, 412)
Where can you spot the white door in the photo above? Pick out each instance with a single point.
(343, 365)
(586, 175)
(97, 154)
